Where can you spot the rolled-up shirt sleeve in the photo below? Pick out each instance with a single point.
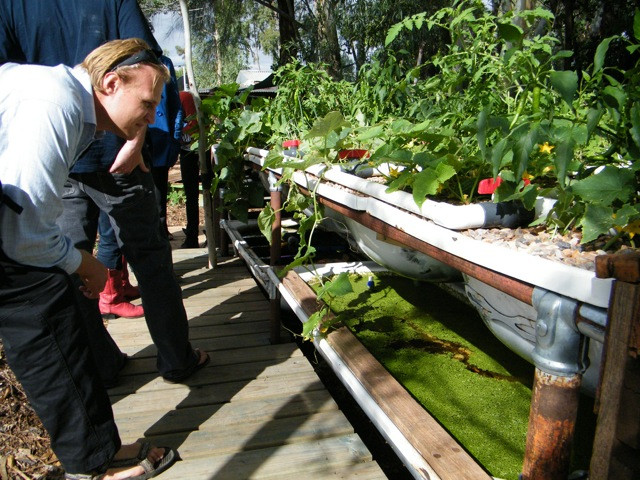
(34, 165)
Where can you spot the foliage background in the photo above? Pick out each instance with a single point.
(228, 33)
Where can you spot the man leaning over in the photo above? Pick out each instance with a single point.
(49, 115)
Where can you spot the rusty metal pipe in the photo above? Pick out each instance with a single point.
(560, 357)
(552, 421)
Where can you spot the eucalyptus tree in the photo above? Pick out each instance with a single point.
(581, 25)
(364, 24)
(227, 35)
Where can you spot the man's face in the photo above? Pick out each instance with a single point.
(134, 103)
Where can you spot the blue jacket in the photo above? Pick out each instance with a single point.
(165, 133)
(64, 31)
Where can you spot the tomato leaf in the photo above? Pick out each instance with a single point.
(265, 220)
(510, 32)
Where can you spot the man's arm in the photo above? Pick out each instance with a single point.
(130, 155)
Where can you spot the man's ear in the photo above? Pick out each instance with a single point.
(110, 83)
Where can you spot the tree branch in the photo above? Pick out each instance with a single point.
(272, 7)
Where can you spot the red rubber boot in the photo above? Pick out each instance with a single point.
(129, 291)
(112, 302)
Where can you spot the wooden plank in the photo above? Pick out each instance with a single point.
(208, 344)
(122, 326)
(142, 337)
(203, 284)
(140, 365)
(248, 302)
(189, 270)
(228, 293)
(316, 460)
(623, 266)
(619, 392)
(227, 414)
(359, 471)
(211, 441)
(185, 396)
(257, 411)
(448, 459)
(213, 374)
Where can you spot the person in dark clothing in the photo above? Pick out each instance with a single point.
(190, 172)
(64, 31)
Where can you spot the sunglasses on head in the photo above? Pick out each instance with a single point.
(146, 56)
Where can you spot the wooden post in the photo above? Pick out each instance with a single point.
(276, 230)
(222, 240)
(274, 320)
(616, 447)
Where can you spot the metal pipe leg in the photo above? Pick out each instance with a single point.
(552, 421)
(560, 359)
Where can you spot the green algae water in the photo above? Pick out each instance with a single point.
(441, 351)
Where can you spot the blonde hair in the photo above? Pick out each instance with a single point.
(107, 57)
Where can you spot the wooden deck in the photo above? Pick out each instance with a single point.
(256, 411)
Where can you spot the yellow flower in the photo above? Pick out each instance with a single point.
(394, 172)
(546, 148)
(632, 228)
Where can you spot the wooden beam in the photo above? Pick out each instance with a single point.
(616, 448)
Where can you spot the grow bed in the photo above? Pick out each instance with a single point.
(443, 354)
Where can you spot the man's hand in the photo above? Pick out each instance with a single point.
(93, 274)
(130, 156)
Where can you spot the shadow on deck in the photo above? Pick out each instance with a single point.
(256, 411)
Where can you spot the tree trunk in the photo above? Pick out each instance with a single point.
(361, 55)
(329, 46)
(217, 52)
(202, 147)
(569, 33)
(288, 32)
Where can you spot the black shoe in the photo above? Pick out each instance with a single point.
(190, 243)
(199, 365)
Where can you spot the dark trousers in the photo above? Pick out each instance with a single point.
(161, 181)
(129, 201)
(47, 348)
(190, 172)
